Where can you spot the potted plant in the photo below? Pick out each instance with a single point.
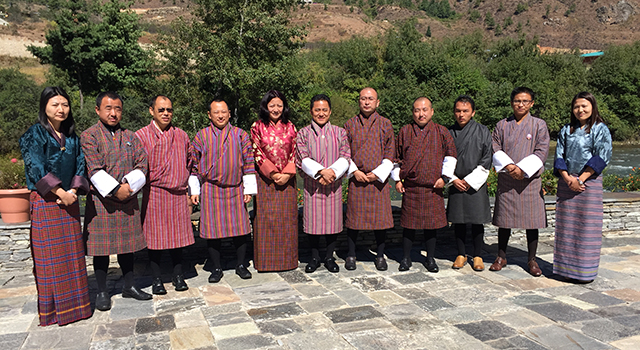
(14, 195)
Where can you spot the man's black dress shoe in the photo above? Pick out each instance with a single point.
(331, 265)
(405, 264)
(216, 276)
(179, 283)
(312, 265)
(135, 293)
(157, 287)
(381, 263)
(242, 271)
(431, 265)
(350, 263)
(103, 301)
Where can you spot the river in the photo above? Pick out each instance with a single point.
(624, 158)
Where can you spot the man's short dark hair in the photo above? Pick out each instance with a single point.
(216, 99)
(154, 99)
(523, 89)
(465, 99)
(320, 97)
(108, 94)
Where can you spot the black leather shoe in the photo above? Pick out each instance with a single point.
(431, 265)
(405, 264)
(216, 276)
(103, 301)
(243, 272)
(312, 265)
(157, 287)
(331, 265)
(350, 263)
(135, 293)
(381, 263)
(179, 283)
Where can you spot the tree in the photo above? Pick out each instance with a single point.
(236, 50)
(18, 107)
(489, 21)
(96, 45)
(428, 31)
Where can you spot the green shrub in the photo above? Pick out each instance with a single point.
(12, 173)
(625, 183)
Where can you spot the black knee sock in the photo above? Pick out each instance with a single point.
(408, 236)
(461, 238)
(532, 242)
(381, 239)
(155, 257)
(332, 240)
(126, 265)
(503, 240)
(430, 242)
(100, 268)
(240, 243)
(176, 260)
(213, 247)
(314, 242)
(352, 237)
(477, 231)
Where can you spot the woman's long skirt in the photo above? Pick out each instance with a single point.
(275, 234)
(59, 261)
(578, 235)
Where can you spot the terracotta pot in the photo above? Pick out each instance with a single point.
(14, 205)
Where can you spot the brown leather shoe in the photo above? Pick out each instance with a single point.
(534, 269)
(478, 264)
(461, 260)
(498, 264)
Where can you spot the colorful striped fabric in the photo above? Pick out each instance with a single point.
(322, 204)
(112, 226)
(578, 234)
(59, 263)
(520, 203)
(165, 214)
(220, 158)
(371, 140)
(420, 153)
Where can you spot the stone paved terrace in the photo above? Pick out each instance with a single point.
(361, 309)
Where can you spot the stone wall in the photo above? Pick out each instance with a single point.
(621, 217)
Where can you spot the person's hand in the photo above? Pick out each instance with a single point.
(280, 179)
(328, 175)
(247, 198)
(323, 182)
(123, 192)
(515, 172)
(461, 185)
(195, 199)
(360, 176)
(574, 185)
(66, 198)
(399, 187)
(371, 177)
(439, 183)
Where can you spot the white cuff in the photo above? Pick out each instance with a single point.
(339, 167)
(501, 160)
(352, 168)
(383, 170)
(249, 183)
(103, 182)
(136, 180)
(395, 173)
(194, 185)
(477, 177)
(449, 167)
(311, 167)
(530, 165)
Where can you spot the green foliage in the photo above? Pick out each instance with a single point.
(428, 34)
(12, 174)
(19, 98)
(489, 22)
(474, 15)
(521, 8)
(498, 30)
(507, 22)
(616, 183)
(96, 45)
(437, 9)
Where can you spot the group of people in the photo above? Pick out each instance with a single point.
(224, 167)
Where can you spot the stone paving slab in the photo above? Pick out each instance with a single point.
(361, 309)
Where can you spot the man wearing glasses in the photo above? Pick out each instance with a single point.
(372, 151)
(520, 146)
(165, 211)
